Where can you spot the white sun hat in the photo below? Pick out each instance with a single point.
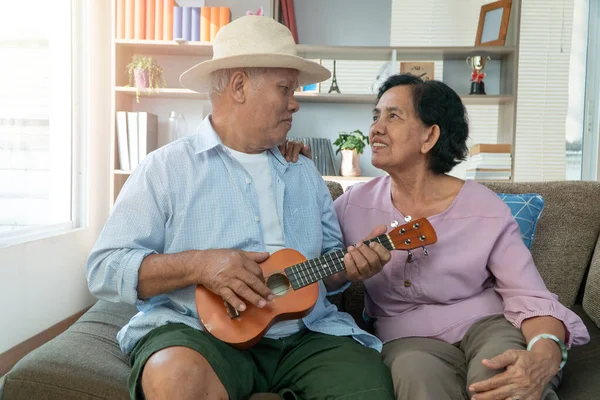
(253, 41)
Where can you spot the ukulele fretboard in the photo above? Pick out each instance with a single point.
(311, 271)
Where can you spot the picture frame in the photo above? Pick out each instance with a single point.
(422, 69)
(493, 23)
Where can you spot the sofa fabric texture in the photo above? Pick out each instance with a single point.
(85, 361)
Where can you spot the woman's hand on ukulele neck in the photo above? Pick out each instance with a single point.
(362, 261)
(234, 275)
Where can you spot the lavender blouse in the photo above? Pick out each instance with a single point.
(478, 267)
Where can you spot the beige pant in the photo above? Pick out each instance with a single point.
(430, 369)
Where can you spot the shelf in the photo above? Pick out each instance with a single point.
(166, 47)
(335, 98)
(121, 172)
(180, 93)
(326, 52)
(164, 93)
(402, 53)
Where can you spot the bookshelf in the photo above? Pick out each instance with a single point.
(175, 56)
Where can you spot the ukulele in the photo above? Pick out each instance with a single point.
(293, 281)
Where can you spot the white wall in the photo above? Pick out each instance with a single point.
(343, 22)
(43, 282)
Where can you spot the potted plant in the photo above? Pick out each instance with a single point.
(351, 145)
(144, 74)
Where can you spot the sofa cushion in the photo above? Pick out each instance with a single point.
(591, 295)
(526, 209)
(84, 362)
(566, 233)
(581, 379)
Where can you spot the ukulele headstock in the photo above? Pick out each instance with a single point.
(418, 233)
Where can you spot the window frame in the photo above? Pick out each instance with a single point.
(79, 137)
(590, 169)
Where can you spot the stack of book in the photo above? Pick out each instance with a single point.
(166, 20)
(137, 136)
(489, 162)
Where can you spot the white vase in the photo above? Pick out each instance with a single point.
(350, 163)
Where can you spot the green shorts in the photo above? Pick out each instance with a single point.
(306, 365)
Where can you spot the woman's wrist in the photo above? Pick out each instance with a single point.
(551, 346)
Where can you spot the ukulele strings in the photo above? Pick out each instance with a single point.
(306, 268)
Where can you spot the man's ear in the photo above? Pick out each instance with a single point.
(432, 135)
(238, 85)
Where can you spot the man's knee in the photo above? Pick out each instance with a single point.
(180, 372)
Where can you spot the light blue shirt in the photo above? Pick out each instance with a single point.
(192, 194)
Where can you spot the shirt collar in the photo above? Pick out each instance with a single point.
(207, 138)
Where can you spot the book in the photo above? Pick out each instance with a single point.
(224, 16)
(168, 6)
(147, 134)
(177, 22)
(205, 24)
(214, 22)
(158, 19)
(150, 25)
(140, 20)
(122, 146)
(129, 19)
(186, 26)
(132, 139)
(195, 28)
(120, 20)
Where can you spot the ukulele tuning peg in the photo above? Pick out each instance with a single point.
(410, 257)
(425, 252)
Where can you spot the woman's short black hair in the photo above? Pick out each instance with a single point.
(435, 103)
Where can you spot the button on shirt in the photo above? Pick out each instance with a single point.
(191, 194)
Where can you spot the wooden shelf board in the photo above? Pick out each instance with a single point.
(166, 47)
(180, 93)
(488, 99)
(402, 53)
(326, 52)
(335, 98)
(165, 93)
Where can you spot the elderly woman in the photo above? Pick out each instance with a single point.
(473, 318)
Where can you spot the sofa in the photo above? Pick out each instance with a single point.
(85, 362)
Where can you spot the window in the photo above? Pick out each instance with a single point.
(37, 122)
(577, 84)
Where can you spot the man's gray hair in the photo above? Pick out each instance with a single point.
(219, 79)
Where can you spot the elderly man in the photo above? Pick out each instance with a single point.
(207, 210)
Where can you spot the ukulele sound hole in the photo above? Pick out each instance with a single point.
(279, 284)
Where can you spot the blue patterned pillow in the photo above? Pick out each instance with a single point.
(526, 209)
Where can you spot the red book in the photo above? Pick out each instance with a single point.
(284, 13)
(292, 19)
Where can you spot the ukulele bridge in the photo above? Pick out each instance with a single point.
(233, 313)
